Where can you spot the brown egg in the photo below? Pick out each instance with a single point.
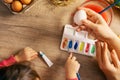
(16, 6)
(8, 1)
(26, 1)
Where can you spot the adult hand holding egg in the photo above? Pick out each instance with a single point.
(95, 24)
(78, 17)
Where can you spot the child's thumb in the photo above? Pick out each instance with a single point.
(89, 24)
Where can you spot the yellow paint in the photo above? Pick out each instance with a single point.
(82, 46)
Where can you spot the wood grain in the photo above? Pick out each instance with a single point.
(41, 28)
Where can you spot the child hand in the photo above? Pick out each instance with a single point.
(27, 54)
(71, 67)
(96, 25)
(111, 69)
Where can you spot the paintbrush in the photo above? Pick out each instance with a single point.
(110, 6)
(78, 76)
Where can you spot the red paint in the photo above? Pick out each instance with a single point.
(87, 47)
(97, 9)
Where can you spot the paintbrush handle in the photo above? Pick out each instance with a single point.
(78, 76)
(109, 7)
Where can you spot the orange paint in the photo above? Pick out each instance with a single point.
(97, 9)
(65, 42)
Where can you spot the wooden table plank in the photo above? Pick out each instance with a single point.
(41, 28)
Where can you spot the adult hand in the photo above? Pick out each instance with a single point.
(96, 25)
(111, 68)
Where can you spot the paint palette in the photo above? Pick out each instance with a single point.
(78, 42)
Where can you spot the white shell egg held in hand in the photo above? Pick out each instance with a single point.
(79, 15)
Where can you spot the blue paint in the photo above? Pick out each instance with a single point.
(70, 44)
(76, 45)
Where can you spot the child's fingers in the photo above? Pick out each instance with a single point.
(70, 56)
(98, 52)
(34, 56)
(115, 59)
(31, 54)
(78, 65)
(34, 52)
(105, 57)
(28, 48)
(73, 58)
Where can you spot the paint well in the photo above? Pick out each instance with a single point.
(70, 44)
(87, 48)
(76, 45)
(65, 43)
(82, 44)
(93, 49)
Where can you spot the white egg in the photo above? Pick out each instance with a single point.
(79, 15)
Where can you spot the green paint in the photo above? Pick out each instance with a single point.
(93, 49)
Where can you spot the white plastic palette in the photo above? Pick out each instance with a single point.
(78, 42)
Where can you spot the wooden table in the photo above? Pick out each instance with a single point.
(41, 28)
